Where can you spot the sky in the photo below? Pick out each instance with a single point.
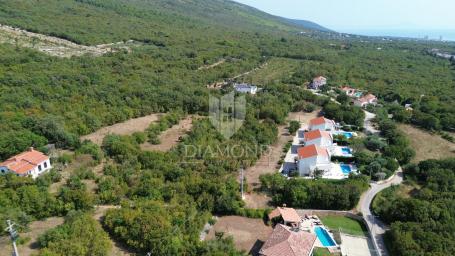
(357, 15)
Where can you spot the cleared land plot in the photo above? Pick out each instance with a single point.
(426, 145)
(36, 228)
(125, 128)
(170, 137)
(345, 224)
(80, 161)
(248, 234)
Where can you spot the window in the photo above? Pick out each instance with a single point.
(45, 164)
(39, 167)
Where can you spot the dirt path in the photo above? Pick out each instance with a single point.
(170, 137)
(125, 128)
(268, 163)
(117, 248)
(55, 46)
(212, 65)
(427, 145)
(36, 228)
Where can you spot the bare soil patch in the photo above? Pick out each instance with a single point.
(125, 128)
(36, 228)
(427, 145)
(55, 46)
(248, 234)
(170, 137)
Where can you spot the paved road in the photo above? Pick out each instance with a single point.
(376, 227)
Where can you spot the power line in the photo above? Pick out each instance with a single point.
(13, 234)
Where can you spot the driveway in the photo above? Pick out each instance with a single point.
(377, 227)
(368, 123)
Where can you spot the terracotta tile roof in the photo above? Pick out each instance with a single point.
(25, 161)
(347, 88)
(311, 151)
(285, 242)
(320, 120)
(288, 214)
(319, 78)
(367, 98)
(316, 134)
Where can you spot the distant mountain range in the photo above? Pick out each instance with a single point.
(308, 25)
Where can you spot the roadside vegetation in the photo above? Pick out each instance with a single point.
(421, 220)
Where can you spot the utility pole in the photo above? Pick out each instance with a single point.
(13, 235)
(241, 182)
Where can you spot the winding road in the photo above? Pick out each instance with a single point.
(376, 227)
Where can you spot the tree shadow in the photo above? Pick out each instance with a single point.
(256, 248)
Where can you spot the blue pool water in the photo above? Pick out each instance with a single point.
(324, 237)
(348, 135)
(346, 151)
(345, 168)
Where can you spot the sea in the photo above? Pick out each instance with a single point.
(439, 35)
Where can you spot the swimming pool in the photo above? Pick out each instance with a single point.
(324, 237)
(347, 135)
(346, 168)
(346, 151)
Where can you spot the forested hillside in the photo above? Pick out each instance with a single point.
(55, 100)
(48, 99)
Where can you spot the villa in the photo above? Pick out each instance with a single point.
(30, 163)
(286, 241)
(318, 82)
(366, 100)
(318, 138)
(349, 91)
(311, 158)
(246, 88)
(322, 123)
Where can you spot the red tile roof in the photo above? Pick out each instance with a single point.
(285, 242)
(311, 151)
(320, 120)
(288, 214)
(25, 161)
(316, 134)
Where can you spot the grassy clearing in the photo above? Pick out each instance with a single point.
(347, 225)
(318, 251)
(276, 69)
(427, 145)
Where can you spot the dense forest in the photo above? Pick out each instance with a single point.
(51, 100)
(421, 219)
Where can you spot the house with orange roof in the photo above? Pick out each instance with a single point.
(322, 123)
(318, 82)
(289, 216)
(311, 158)
(29, 163)
(318, 138)
(286, 241)
(366, 100)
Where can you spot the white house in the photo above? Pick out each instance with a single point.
(318, 138)
(322, 123)
(311, 158)
(349, 91)
(30, 163)
(366, 100)
(246, 88)
(318, 82)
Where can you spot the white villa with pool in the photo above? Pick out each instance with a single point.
(314, 149)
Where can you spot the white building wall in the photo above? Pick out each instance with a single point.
(321, 142)
(306, 165)
(323, 127)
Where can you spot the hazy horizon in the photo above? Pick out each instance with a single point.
(419, 17)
